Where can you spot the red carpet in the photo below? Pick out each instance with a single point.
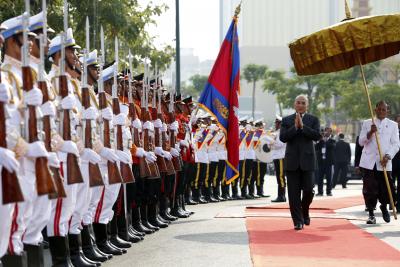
(327, 242)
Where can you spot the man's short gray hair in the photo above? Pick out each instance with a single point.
(302, 96)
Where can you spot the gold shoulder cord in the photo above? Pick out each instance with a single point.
(94, 99)
(12, 78)
(76, 89)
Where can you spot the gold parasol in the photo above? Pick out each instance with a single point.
(344, 45)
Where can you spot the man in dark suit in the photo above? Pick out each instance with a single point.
(342, 157)
(325, 154)
(299, 131)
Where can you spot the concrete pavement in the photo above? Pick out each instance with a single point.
(207, 240)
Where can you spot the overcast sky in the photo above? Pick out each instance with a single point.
(199, 26)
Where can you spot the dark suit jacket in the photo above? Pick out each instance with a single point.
(329, 153)
(300, 151)
(342, 152)
(358, 152)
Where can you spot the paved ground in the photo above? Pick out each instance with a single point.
(204, 240)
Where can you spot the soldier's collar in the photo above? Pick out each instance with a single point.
(13, 61)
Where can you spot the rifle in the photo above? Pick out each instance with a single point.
(44, 181)
(126, 171)
(114, 176)
(42, 84)
(143, 164)
(95, 177)
(170, 170)
(177, 161)
(147, 141)
(9, 181)
(74, 174)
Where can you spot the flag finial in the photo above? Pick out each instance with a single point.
(347, 10)
(238, 9)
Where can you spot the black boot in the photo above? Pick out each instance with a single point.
(59, 249)
(177, 210)
(35, 255)
(113, 235)
(164, 210)
(137, 221)
(145, 218)
(244, 193)
(133, 230)
(152, 213)
(202, 194)
(210, 195)
(225, 192)
(124, 232)
(16, 260)
(184, 207)
(102, 242)
(93, 237)
(87, 246)
(78, 259)
(189, 198)
(281, 195)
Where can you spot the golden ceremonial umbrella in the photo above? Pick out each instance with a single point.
(344, 45)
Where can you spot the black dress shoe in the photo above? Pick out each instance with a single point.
(385, 213)
(279, 199)
(329, 194)
(307, 221)
(371, 220)
(298, 226)
(319, 195)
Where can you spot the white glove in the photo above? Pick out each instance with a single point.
(255, 138)
(119, 119)
(89, 114)
(68, 102)
(140, 153)
(36, 150)
(147, 125)
(70, 147)
(174, 152)
(108, 154)
(48, 109)
(248, 127)
(137, 124)
(8, 161)
(177, 147)
(4, 94)
(157, 123)
(213, 127)
(174, 126)
(167, 155)
(164, 127)
(151, 157)
(90, 156)
(107, 113)
(159, 151)
(34, 97)
(53, 160)
(124, 156)
(184, 143)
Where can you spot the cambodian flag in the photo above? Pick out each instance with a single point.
(220, 96)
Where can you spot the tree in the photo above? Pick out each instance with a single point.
(196, 85)
(125, 19)
(252, 74)
(277, 84)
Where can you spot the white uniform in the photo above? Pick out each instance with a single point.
(278, 147)
(6, 211)
(201, 151)
(62, 208)
(389, 142)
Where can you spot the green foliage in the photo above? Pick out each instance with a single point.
(253, 73)
(122, 18)
(196, 85)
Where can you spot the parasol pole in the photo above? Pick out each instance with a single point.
(376, 136)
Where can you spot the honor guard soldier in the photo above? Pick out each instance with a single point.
(211, 179)
(260, 168)
(248, 162)
(8, 162)
(28, 150)
(242, 155)
(278, 155)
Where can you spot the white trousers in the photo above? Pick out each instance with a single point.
(62, 208)
(83, 197)
(107, 195)
(6, 213)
